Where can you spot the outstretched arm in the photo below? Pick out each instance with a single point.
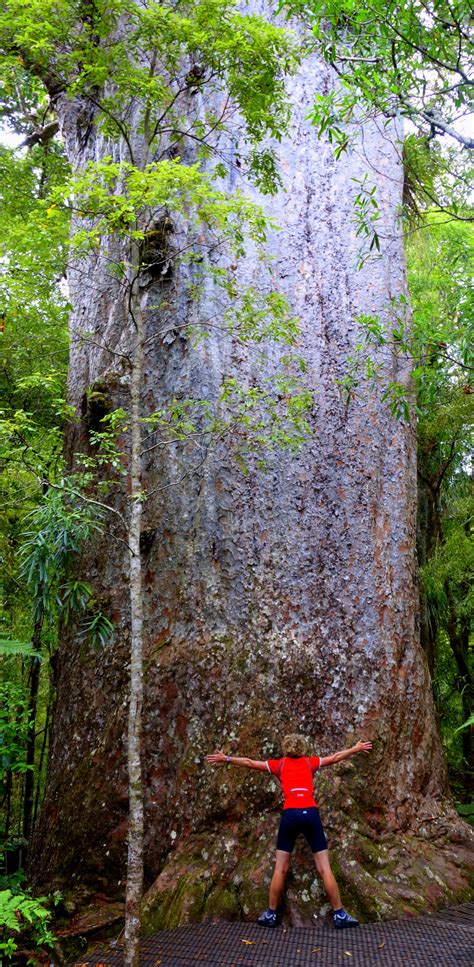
(330, 760)
(220, 758)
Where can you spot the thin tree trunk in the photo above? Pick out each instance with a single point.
(7, 801)
(134, 888)
(41, 762)
(34, 677)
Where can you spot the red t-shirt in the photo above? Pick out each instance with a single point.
(296, 778)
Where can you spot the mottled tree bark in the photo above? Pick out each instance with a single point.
(273, 602)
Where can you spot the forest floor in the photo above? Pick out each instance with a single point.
(443, 939)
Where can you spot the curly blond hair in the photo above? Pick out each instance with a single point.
(294, 746)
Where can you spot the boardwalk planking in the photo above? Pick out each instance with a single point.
(445, 939)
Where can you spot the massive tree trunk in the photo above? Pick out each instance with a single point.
(273, 602)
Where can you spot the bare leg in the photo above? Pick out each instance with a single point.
(323, 867)
(282, 865)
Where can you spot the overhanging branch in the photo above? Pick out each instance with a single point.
(437, 121)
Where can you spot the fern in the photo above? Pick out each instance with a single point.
(9, 647)
(465, 725)
(20, 913)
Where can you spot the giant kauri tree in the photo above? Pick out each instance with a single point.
(276, 597)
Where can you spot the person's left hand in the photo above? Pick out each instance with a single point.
(363, 747)
(216, 758)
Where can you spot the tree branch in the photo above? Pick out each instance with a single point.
(437, 121)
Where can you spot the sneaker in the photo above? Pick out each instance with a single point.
(267, 919)
(342, 919)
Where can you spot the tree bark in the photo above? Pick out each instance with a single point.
(273, 602)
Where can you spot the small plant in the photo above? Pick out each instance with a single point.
(466, 811)
(23, 916)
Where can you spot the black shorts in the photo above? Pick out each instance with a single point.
(305, 821)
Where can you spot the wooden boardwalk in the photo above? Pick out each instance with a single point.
(444, 939)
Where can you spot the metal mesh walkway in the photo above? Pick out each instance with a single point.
(445, 939)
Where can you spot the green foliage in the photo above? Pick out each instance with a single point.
(57, 532)
(97, 628)
(466, 725)
(13, 731)
(33, 358)
(258, 420)
(9, 648)
(260, 317)
(430, 171)
(466, 810)
(166, 49)
(436, 342)
(33, 350)
(403, 59)
(448, 694)
(397, 57)
(442, 297)
(452, 563)
(366, 215)
(33, 345)
(122, 200)
(21, 914)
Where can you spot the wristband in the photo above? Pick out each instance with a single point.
(227, 759)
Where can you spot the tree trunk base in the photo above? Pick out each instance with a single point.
(381, 875)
